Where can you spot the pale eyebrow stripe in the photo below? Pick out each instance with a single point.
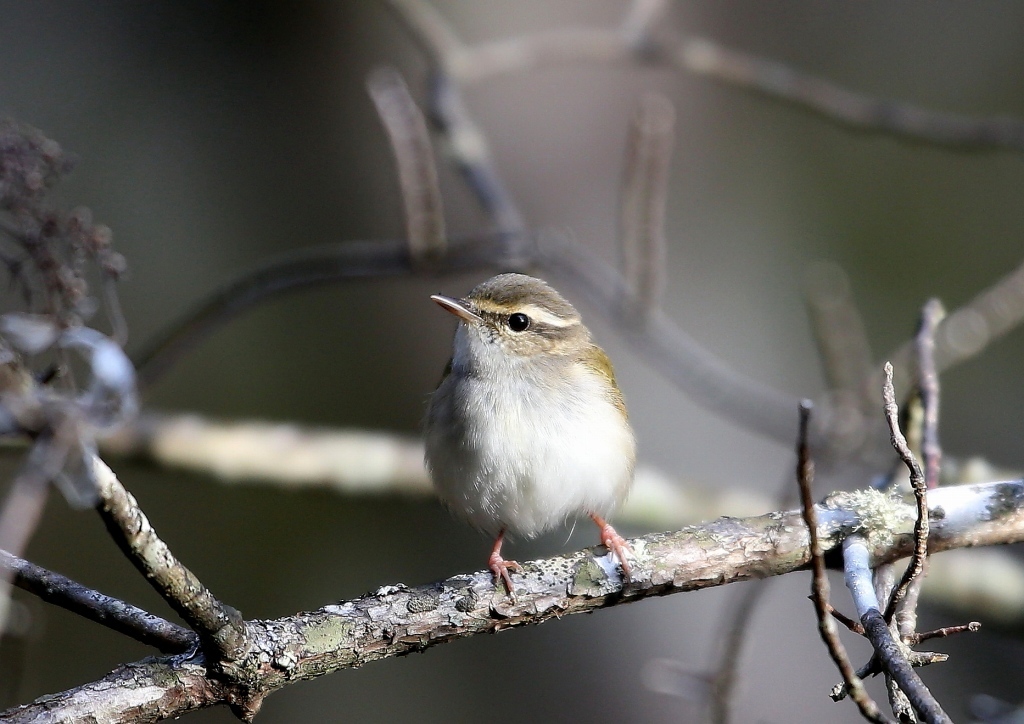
(536, 313)
(539, 314)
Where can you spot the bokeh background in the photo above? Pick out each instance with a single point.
(213, 134)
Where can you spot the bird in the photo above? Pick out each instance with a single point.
(528, 426)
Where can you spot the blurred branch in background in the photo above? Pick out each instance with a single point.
(644, 198)
(417, 173)
(360, 462)
(641, 39)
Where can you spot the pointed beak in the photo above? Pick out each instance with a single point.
(456, 307)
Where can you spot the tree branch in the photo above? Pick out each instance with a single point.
(95, 606)
(891, 656)
(220, 627)
(397, 620)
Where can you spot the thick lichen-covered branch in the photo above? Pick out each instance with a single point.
(396, 620)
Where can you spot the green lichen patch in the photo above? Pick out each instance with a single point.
(326, 635)
(877, 515)
(589, 579)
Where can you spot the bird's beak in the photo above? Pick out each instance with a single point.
(456, 307)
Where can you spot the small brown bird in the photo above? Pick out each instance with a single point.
(528, 426)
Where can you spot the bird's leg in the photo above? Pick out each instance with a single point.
(500, 567)
(615, 543)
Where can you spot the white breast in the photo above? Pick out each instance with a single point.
(507, 452)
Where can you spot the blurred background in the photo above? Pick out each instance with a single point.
(214, 134)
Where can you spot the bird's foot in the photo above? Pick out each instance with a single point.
(616, 544)
(500, 568)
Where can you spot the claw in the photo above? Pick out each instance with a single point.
(500, 567)
(616, 544)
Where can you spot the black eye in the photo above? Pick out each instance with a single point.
(518, 322)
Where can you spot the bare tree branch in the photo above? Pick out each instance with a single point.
(890, 654)
(95, 606)
(396, 620)
(987, 583)
(944, 632)
(220, 627)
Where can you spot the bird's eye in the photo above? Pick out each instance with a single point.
(518, 322)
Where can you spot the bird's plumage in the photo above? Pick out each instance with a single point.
(527, 428)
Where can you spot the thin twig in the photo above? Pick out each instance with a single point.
(221, 628)
(944, 632)
(819, 585)
(644, 198)
(469, 150)
(417, 173)
(899, 442)
(849, 623)
(95, 606)
(896, 665)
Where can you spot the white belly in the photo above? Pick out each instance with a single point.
(526, 458)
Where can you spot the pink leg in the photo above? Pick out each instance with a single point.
(500, 567)
(615, 543)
